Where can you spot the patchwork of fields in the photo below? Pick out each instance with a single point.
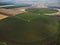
(24, 25)
(10, 12)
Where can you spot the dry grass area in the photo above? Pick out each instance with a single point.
(12, 11)
(4, 13)
(3, 16)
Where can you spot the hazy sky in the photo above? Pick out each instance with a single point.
(29, 0)
(50, 1)
(5, 0)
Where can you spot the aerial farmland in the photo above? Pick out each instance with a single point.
(29, 24)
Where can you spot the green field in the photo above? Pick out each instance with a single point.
(17, 6)
(41, 11)
(28, 29)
